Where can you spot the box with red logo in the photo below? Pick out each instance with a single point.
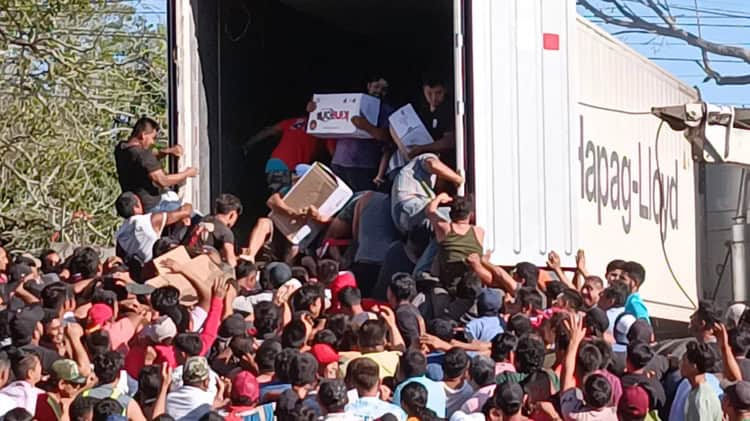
(332, 117)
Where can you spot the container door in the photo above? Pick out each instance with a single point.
(521, 122)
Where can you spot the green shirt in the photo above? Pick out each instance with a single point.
(703, 404)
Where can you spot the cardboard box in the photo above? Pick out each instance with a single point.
(319, 187)
(201, 267)
(333, 114)
(407, 130)
(154, 268)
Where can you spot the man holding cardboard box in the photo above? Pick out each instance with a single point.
(356, 158)
(439, 118)
(216, 230)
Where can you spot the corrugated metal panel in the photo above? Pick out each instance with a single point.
(522, 102)
(619, 197)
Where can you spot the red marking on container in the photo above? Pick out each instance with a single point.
(552, 42)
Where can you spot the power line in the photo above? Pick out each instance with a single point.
(693, 60)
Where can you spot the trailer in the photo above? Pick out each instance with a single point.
(553, 124)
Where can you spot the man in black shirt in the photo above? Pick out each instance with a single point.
(139, 170)
(216, 230)
(438, 117)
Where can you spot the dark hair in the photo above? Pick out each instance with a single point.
(265, 357)
(294, 335)
(125, 204)
(519, 324)
(300, 273)
(739, 340)
(573, 298)
(442, 328)
(350, 296)
(554, 288)
(529, 273)
(283, 364)
(55, 295)
(374, 77)
(144, 125)
(165, 298)
(469, 287)
(106, 407)
(403, 287)
(700, 355)
(636, 272)
(107, 366)
(97, 343)
(46, 266)
(266, 318)
(588, 359)
(326, 336)
(371, 334)
(211, 416)
(190, 343)
(362, 373)
(164, 417)
(414, 402)
(244, 268)
(180, 315)
(328, 270)
(708, 313)
(22, 362)
(455, 363)
(528, 296)
(149, 383)
(597, 391)
(340, 325)
(306, 296)
(595, 280)
(617, 292)
(502, 345)
(241, 346)
(482, 370)
(162, 246)
(639, 354)
(605, 349)
(432, 79)
(615, 265)
(529, 354)
(332, 395)
(81, 406)
(461, 208)
(413, 364)
(227, 203)
(303, 370)
(597, 326)
(18, 414)
(84, 261)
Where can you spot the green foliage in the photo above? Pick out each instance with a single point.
(69, 70)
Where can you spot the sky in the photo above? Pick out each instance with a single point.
(721, 21)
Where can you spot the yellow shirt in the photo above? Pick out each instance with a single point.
(387, 361)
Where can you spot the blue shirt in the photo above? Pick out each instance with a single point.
(370, 408)
(635, 306)
(436, 399)
(677, 412)
(485, 328)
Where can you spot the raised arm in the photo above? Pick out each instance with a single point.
(436, 167)
(500, 277)
(163, 180)
(553, 261)
(386, 313)
(201, 285)
(732, 370)
(162, 219)
(265, 133)
(577, 333)
(276, 204)
(445, 143)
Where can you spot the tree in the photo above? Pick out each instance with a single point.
(70, 72)
(621, 13)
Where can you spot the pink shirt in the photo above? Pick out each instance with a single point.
(477, 400)
(120, 333)
(614, 383)
(501, 368)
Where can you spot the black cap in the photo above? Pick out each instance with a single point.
(333, 393)
(17, 272)
(24, 322)
(739, 395)
(234, 325)
(508, 395)
(277, 273)
(640, 331)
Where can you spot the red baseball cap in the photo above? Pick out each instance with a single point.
(634, 402)
(246, 386)
(343, 280)
(100, 313)
(325, 354)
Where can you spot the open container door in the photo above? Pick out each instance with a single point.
(521, 121)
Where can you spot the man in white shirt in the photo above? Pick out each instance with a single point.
(193, 400)
(139, 232)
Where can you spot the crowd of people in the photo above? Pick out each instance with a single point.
(391, 310)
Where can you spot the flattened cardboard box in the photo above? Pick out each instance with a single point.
(201, 267)
(333, 114)
(319, 187)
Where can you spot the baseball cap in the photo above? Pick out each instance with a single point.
(640, 331)
(195, 370)
(243, 305)
(634, 402)
(18, 272)
(341, 281)
(67, 370)
(246, 386)
(277, 273)
(276, 165)
(100, 313)
(734, 314)
(302, 169)
(24, 322)
(234, 325)
(621, 329)
(333, 393)
(489, 302)
(324, 354)
(739, 395)
(162, 329)
(508, 393)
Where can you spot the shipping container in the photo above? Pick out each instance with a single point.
(552, 124)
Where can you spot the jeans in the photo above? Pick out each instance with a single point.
(169, 202)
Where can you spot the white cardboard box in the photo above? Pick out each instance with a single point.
(319, 187)
(333, 114)
(407, 129)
